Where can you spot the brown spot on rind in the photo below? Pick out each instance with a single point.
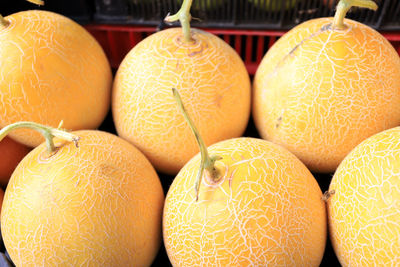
(75, 140)
(218, 99)
(278, 122)
(324, 28)
(328, 194)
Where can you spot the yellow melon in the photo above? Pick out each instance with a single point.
(52, 69)
(98, 204)
(212, 80)
(264, 210)
(364, 208)
(323, 88)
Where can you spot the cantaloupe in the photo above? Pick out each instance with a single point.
(213, 82)
(258, 205)
(364, 207)
(52, 69)
(95, 204)
(326, 86)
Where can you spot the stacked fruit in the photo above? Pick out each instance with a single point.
(325, 98)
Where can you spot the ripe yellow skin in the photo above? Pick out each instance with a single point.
(364, 211)
(52, 69)
(319, 92)
(96, 205)
(266, 210)
(211, 79)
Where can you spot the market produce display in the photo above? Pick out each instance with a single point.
(172, 159)
(325, 86)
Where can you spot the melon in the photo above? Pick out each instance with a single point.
(95, 204)
(52, 70)
(364, 206)
(325, 86)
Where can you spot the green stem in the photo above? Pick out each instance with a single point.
(207, 163)
(183, 15)
(3, 22)
(344, 6)
(48, 132)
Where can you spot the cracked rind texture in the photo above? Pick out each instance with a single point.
(364, 211)
(319, 92)
(211, 79)
(266, 210)
(52, 69)
(96, 205)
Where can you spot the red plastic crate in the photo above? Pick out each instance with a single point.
(251, 45)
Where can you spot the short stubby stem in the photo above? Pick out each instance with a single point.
(48, 132)
(3, 22)
(344, 6)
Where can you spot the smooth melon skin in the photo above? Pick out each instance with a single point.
(96, 205)
(211, 79)
(320, 92)
(364, 211)
(265, 211)
(52, 69)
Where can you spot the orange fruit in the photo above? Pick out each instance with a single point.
(52, 69)
(212, 80)
(98, 205)
(364, 211)
(11, 153)
(264, 209)
(319, 91)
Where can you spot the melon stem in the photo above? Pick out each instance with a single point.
(3, 22)
(207, 163)
(48, 132)
(183, 15)
(344, 6)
